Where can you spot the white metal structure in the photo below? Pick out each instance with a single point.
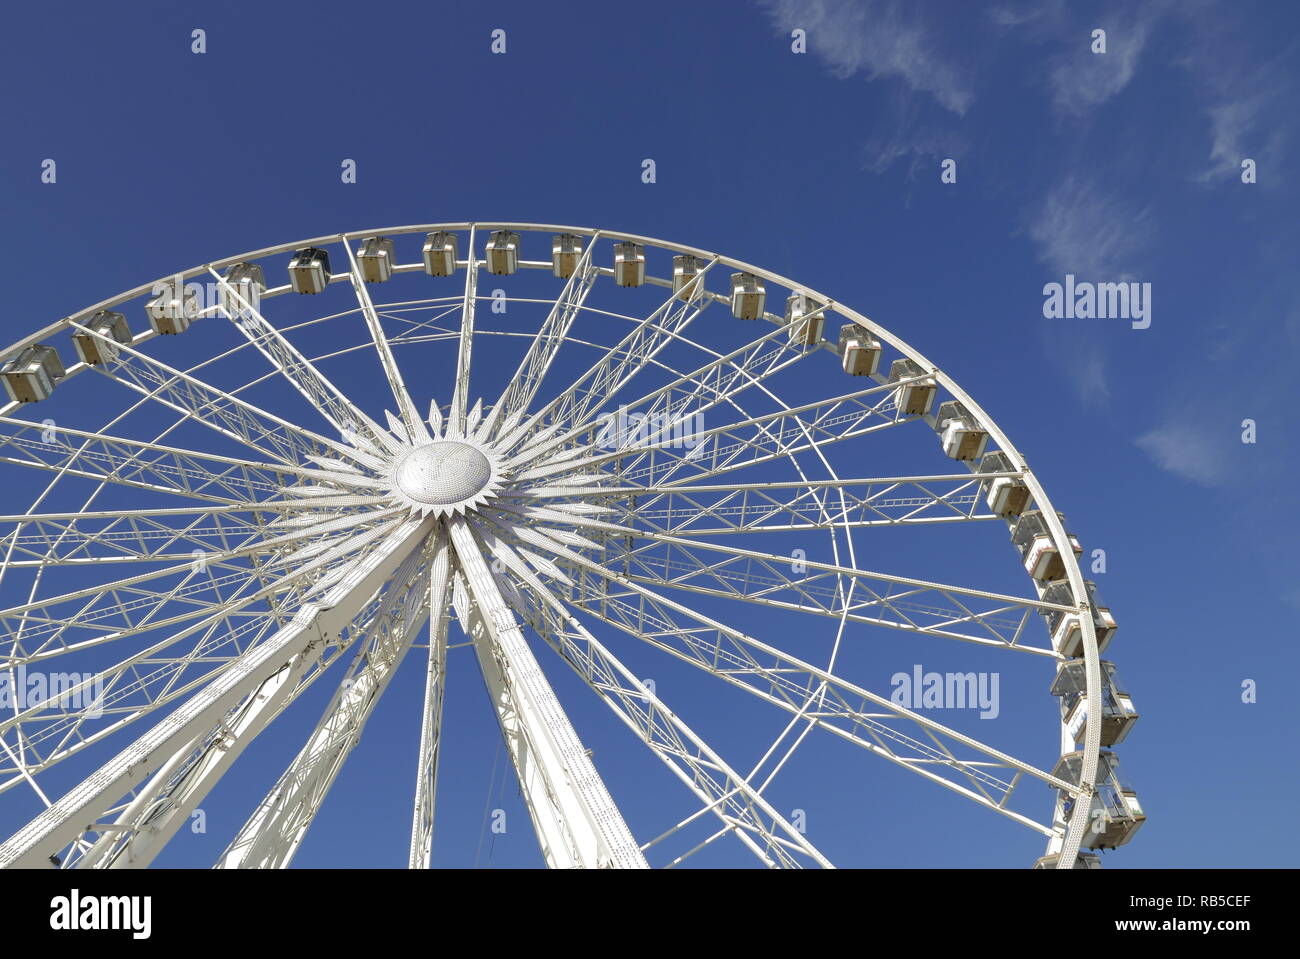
(201, 554)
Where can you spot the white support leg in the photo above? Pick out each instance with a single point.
(271, 837)
(426, 780)
(576, 820)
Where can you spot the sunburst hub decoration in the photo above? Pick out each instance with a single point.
(485, 472)
(445, 476)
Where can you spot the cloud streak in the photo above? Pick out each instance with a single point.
(1249, 110)
(1079, 228)
(1084, 80)
(877, 39)
(1184, 450)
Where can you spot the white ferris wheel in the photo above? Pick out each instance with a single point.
(552, 448)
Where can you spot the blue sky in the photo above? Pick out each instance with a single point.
(825, 167)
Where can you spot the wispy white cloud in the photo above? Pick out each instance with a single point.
(1230, 123)
(877, 38)
(1081, 80)
(1079, 355)
(1034, 14)
(1081, 229)
(1188, 449)
(1250, 109)
(906, 136)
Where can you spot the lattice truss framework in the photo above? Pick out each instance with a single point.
(344, 540)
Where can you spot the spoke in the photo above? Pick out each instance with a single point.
(342, 414)
(144, 684)
(759, 439)
(739, 659)
(883, 599)
(692, 394)
(576, 821)
(523, 387)
(865, 719)
(216, 409)
(36, 629)
(321, 544)
(66, 820)
(149, 679)
(724, 793)
(705, 510)
(460, 394)
(426, 780)
(275, 831)
(599, 384)
(394, 375)
(42, 540)
(113, 459)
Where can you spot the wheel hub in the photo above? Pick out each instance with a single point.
(443, 473)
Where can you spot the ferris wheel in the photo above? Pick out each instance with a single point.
(598, 451)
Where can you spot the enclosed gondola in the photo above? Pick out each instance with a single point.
(246, 283)
(565, 251)
(1006, 496)
(1031, 536)
(111, 329)
(748, 296)
(1118, 713)
(805, 318)
(914, 394)
(503, 252)
(375, 258)
(309, 271)
(440, 253)
(1114, 815)
(173, 308)
(32, 374)
(629, 264)
(960, 433)
(859, 351)
(1065, 628)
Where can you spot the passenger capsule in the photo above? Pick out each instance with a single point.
(914, 398)
(1118, 714)
(748, 296)
(173, 309)
(375, 258)
(32, 374)
(440, 253)
(1007, 496)
(859, 351)
(94, 350)
(959, 432)
(805, 318)
(248, 283)
(565, 251)
(685, 270)
(1032, 538)
(309, 271)
(1084, 860)
(629, 264)
(1114, 814)
(503, 252)
(1065, 628)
